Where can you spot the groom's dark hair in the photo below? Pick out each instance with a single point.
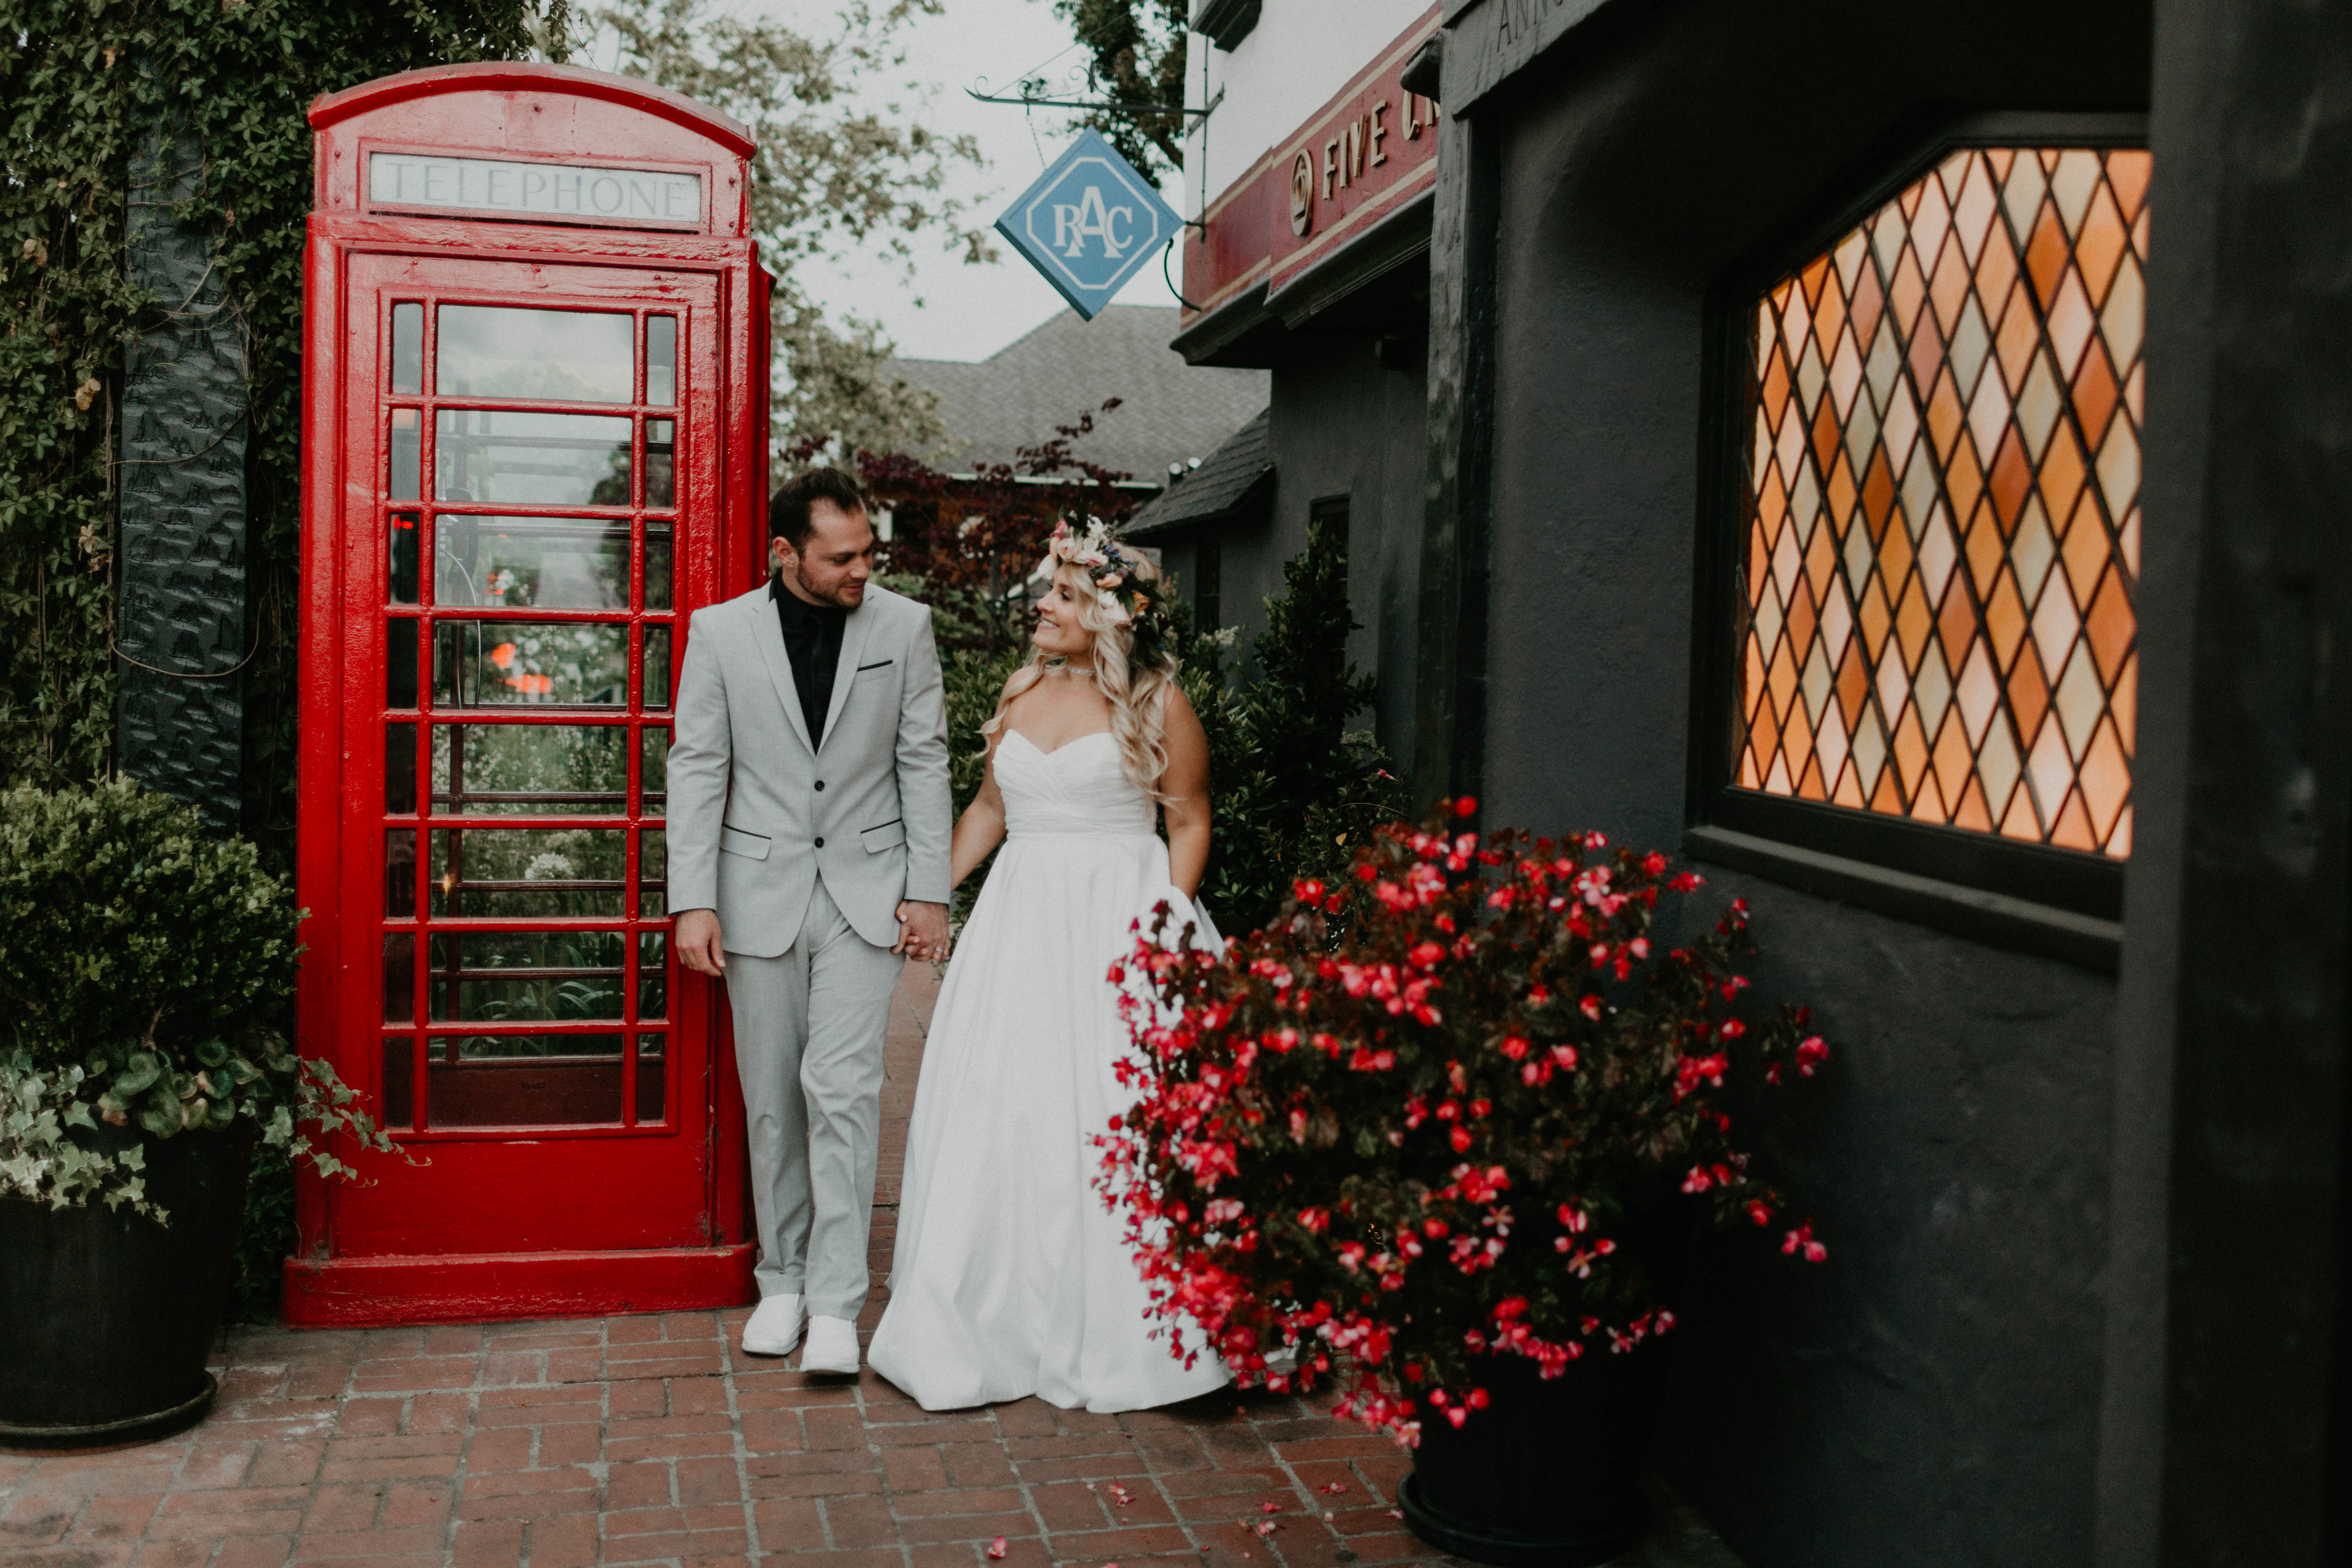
(787, 512)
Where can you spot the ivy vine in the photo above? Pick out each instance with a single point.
(78, 78)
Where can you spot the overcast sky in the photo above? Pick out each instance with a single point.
(952, 311)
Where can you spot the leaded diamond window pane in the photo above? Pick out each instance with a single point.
(1941, 537)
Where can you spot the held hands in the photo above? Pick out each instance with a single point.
(697, 942)
(923, 934)
(922, 930)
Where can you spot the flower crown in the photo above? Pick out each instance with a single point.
(1127, 598)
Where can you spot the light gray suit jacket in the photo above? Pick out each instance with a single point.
(758, 807)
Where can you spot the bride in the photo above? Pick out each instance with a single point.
(1011, 1277)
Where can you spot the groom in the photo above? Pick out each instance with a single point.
(809, 817)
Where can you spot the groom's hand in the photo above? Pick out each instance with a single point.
(697, 942)
(922, 930)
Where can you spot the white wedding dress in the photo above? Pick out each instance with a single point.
(1010, 1276)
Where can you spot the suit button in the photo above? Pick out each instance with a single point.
(820, 783)
(820, 843)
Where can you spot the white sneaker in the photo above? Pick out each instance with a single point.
(775, 1327)
(832, 1346)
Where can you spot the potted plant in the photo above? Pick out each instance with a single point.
(1428, 1138)
(145, 968)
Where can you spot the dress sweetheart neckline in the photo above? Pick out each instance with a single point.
(1057, 750)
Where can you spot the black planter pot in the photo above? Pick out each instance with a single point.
(107, 1317)
(1547, 1475)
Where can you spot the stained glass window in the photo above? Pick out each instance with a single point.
(1941, 537)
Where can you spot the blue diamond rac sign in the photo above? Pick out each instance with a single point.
(1089, 223)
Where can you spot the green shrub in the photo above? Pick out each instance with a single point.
(146, 975)
(1296, 792)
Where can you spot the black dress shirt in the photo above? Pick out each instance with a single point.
(813, 644)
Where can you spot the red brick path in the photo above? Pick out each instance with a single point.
(652, 1440)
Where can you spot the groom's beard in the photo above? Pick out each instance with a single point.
(848, 595)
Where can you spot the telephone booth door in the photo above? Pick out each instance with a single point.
(534, 495)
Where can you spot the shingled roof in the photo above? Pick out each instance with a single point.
(1233, 477)
(1171, 411)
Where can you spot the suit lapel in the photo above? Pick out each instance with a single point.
(853, 636)
(767, 631)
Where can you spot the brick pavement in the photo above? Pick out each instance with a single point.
(652, 1439)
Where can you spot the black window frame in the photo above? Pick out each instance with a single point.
(1208, 581)
(1334, 513)
(2079, 882)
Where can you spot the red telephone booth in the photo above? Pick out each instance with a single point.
(535, 429)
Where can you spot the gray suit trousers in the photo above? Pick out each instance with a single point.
(808, 1049)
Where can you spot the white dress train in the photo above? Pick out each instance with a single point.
(1010, 1276)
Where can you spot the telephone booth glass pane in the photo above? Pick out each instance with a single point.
(399, 769)
(661, 463)
(653, 771)
(400, 662)
(657, 667)
(406, 482)
(528, 977)
(408, 348)
(517, 457)
(489, 664)
(658, 566)
(533, 563)
(543, 873)
(529, 770)
(551, 356)
(399, 1077)
(661, 362)
(401, 556)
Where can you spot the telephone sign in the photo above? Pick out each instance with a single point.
(1089, 223)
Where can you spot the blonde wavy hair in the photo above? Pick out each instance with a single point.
(1137, 688)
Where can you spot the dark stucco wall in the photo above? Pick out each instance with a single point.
(2231, 1381)
(1346, 426)
(1932, 1394)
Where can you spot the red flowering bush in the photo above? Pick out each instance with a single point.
(1403, 1129)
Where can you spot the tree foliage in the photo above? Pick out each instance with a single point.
(840, 173)
(1296, 792)
(1135, 52)
(973, 541)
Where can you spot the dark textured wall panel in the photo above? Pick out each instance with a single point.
(1931, 1394)
(181, 506)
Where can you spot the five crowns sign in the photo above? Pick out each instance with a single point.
(1089, 223)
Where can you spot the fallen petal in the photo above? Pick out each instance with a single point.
(997, 1548)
